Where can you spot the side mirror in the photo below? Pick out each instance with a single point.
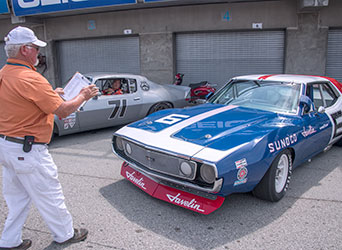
(306, 103)
(99, 93)
(321, 110)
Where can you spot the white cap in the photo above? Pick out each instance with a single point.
(23, 35)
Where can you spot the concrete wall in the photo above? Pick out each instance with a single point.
(306, 32)
(156, 56)
(273, 14)
(306, 46)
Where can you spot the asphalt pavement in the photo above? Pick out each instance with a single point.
(120, 216)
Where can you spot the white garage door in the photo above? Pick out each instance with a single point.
(334, 54)
(98, 55)
(216, 57)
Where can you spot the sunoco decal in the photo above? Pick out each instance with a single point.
(241, 176)
(184, 203)
(282, 143)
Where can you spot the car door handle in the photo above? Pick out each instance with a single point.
(136, 99)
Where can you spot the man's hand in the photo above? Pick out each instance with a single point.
(59, 91)
(89, 92)
(68, 107)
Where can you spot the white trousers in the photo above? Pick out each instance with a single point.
(33, 177)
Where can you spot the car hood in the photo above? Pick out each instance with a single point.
(204, 130)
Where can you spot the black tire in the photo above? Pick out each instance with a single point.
(339, 143)
(274, 184)
(159, 106)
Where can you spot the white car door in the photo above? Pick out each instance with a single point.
(111, 110)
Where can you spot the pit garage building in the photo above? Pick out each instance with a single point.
(209, 40)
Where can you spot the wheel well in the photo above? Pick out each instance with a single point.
(170, 103)
(158, 103)
(293, 154)
(292, 157)
(268, 188)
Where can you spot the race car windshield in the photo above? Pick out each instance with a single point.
(265, 95)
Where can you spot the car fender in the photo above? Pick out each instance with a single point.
(67, 125)
(255, 158)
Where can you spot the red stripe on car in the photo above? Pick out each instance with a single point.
(265, 77)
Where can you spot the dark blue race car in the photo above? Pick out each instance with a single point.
(248, 137)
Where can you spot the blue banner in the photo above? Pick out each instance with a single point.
(34, 7)
(3, 7)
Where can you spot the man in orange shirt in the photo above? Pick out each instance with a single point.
(27, 107)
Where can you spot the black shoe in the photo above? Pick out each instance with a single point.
(24, 245)
(79, 235)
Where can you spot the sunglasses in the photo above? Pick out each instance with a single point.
(34, 47)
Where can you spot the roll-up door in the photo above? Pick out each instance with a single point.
(216, 57)
(119, 55)
(3, 57)
(334, 54)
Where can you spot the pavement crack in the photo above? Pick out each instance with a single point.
(102, 245)
(88, 176)
(312, 199)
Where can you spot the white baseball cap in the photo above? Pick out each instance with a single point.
(23, 35)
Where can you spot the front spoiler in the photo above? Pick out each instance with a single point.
(174, 196)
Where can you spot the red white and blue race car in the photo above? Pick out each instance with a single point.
(248, 137)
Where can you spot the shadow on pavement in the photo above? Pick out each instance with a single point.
(240, 214)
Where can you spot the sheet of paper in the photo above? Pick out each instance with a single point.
(74, 86)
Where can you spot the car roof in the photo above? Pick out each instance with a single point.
(284, 78)
(112, 74)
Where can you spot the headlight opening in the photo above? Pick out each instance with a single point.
(208, 173)
(119, 143)
(185, 169)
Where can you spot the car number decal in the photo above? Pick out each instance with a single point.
(172, 119)
(118, 104)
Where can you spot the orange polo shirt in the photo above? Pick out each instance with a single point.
(27, 102)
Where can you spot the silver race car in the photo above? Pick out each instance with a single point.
(137, 98)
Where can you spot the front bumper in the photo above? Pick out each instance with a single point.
(155, 173)
(169, 194)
